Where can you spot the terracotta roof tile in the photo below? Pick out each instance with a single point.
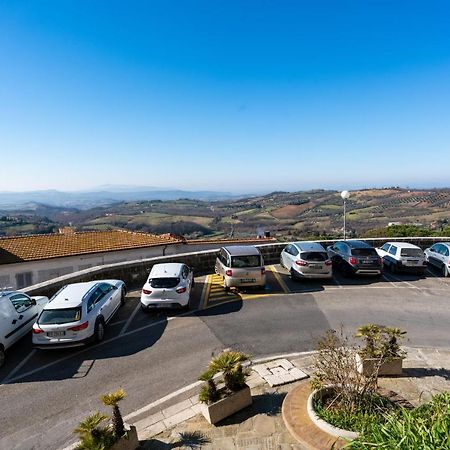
(45, 246)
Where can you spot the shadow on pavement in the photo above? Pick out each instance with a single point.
(423, 372)
(192, 440)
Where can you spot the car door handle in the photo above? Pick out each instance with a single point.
(20, 317)
(14, 321)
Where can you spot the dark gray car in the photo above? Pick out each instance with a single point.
(354, 257)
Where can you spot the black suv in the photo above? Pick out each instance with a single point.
(355, 258)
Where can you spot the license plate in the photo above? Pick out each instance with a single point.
(315, 266)
(56, 333)
(247, 280)
(367, 262)
(411, 263)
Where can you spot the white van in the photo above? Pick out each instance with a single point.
(18, 312)
(241, 266)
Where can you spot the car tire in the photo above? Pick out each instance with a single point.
(293, 275)
(281, 263)
(99, 333)
(123, 294)
(345, 270)
(445, 271)
(2, 356)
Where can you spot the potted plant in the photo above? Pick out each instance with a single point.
(234, 395)
(113, 436)
(381, 351)
(343, 401)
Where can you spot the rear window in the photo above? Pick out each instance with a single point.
(164, 283)
(314, 256)
(245, 261)
(411, 252)
(364, 252)
(57, 316)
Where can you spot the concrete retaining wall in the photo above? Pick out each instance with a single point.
(134, 273)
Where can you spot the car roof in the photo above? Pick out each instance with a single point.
(403, 244)
(447, 244)
(309, 246)
(353, 243)
(166, 270)
(71, 295)
(242, 250)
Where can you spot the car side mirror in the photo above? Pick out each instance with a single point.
(33, 302)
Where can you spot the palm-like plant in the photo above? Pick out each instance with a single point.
(112, 399)
(230, 364)
(209, 393)
(92, 435)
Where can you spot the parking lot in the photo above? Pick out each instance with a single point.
(151, 354)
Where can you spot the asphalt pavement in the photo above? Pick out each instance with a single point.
(46, 393)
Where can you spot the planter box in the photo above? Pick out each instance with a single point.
(227, 406)
(128, 442)
(320, 423)
(393, 366)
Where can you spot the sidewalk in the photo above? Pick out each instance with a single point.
(260, 426)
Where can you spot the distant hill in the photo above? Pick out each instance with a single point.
(104, 196)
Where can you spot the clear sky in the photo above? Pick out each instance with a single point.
(238, 96)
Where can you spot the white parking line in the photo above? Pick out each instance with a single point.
(18, 367)
(130, 319)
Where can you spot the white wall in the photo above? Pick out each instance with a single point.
(47, 269)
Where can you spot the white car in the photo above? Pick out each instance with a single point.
(306, 260)
(18, 313)
(438, 255)
(401, 256)
(77, 314)
(168, 286)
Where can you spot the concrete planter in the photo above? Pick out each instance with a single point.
(128, 442)
(325, 426)
(227, 406)
(366, 366)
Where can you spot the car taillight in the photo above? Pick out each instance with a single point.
(37, 330)
(80, 327)
(181, 290)
(352, 260)
(328, 262)
(146, 292)
(229, 273)
(301, 263)
(263, 270)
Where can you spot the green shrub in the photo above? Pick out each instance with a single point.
(424, 428)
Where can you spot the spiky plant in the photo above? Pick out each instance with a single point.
(371, 333)
(92, 435)
(230, 364)
(208, 393)
(112, 399)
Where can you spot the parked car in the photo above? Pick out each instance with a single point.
(18, 312)
(402, 256)
(353, 257)
(241, 266)
(168, 286)
(306, 260)
(77, 314)
(438, 255)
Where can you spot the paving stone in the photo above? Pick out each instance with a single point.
(150, 420)
(261, 370)
(298, 374)
(179, 417)
(285, 364)
(263, 424)
(171, 410)
(153, 430)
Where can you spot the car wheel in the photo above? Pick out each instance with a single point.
(345, 270)
(281, 263)
(445, 271)
(99, 332)
(392, 268)
(293, 275)
(123, 294)
(2, 356)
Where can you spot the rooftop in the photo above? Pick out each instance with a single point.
(45, 246)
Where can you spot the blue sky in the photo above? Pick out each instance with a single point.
(224, 95)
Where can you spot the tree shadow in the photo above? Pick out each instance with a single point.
(425, 372)
(189, 439)
(268, 403)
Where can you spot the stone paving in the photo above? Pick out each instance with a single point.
(261, 427)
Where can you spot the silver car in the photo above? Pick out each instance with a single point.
(438, 255)
(241, 266)
(306, 260)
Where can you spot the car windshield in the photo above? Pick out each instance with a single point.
(314, 256)
(364, 252)
(164, 283)
(58, 316)
(245, 261)
(411, 252)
